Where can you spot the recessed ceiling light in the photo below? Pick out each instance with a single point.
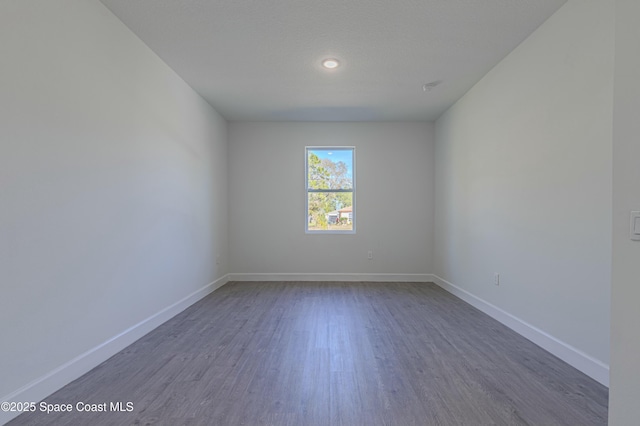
(330, 63)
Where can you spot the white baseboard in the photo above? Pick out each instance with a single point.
(332, 277)
(590, 366)
(71, 370)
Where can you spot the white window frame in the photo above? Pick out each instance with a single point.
(307, 190)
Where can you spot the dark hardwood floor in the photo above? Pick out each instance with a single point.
(272, 353)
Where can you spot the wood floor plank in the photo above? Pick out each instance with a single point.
(327, 353)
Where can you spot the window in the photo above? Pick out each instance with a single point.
(331, 190)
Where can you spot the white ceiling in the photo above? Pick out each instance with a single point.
(260, 59)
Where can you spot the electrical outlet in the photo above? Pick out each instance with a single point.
(496, 278)
(370, 255)
(217, 259)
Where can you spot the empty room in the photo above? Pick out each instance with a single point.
(218, 212)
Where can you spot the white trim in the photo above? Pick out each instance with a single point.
(590, 366)
(76, 367)
(332, 277)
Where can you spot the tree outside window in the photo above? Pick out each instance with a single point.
(330, 185)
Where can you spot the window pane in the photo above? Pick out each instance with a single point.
(330, 168)
(330, 211)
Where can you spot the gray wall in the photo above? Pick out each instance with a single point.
(394, 193)
(625, 315)
(523, 182)
(114, 186)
